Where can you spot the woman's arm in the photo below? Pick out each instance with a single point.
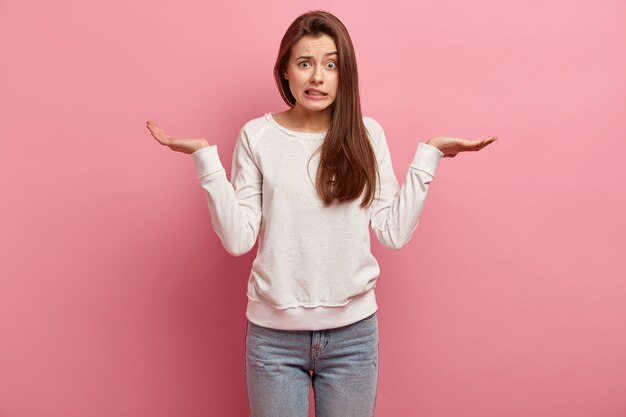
(236, 206)
(395, 211)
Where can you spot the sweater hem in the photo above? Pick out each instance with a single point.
(316, 318)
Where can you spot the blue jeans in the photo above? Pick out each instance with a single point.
(341, 363)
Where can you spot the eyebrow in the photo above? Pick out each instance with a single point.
(309, 56)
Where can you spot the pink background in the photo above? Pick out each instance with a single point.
(117, 298)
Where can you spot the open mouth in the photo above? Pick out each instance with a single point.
(310, 93)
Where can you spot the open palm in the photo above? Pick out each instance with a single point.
(451, 146)
(179, 145)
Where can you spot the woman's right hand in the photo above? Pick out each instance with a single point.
(181, 145)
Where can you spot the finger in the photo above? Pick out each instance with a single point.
(159, 136)
(484, 143)
(490, 139)
(474, 145)
(153, 126)
(466, 143)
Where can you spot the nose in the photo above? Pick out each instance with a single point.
(318, 74)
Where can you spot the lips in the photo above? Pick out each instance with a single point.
(315, 92)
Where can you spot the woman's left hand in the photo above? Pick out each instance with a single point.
(451, 146)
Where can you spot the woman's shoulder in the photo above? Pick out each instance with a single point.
(256, 124)
(253, 129)
(369, 121)
(374, 128)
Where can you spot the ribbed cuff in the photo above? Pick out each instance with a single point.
(427, 158)
(207, 160)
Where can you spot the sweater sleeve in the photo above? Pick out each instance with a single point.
(395, 210)
(236, 208)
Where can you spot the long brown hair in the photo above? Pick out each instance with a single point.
(347, 161)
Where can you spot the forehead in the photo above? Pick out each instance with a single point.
(309, 45)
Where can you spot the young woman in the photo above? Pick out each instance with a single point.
(308, 182)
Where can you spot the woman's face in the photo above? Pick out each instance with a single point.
(313, 64)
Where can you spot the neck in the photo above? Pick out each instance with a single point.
(310, 119)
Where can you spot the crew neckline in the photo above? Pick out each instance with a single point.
(304, 135)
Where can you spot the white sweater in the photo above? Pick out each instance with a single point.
(313, 268)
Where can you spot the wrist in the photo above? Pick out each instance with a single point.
(431, 142)
(202, 145)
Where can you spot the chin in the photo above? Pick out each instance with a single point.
(319, 107)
